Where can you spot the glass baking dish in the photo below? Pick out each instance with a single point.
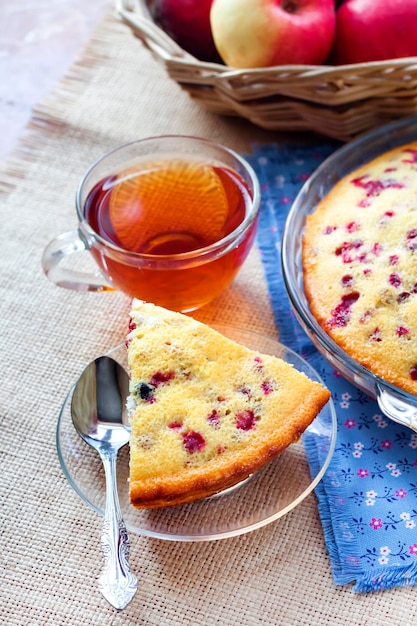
(393, 401)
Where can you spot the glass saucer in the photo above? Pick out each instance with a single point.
(269, 494)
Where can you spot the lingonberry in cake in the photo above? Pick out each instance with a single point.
(245, 420)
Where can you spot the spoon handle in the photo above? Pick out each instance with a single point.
(117, 583)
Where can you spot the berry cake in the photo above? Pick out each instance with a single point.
(360, 265)
(205, 411)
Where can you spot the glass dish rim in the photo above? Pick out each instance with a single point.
(332, 425)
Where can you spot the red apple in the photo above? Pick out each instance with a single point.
(261, 33)
(188, 23)
(367, 30)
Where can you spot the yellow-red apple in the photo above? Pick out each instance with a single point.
(367, 30)
(261, 33)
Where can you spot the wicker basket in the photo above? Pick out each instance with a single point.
(336, 101)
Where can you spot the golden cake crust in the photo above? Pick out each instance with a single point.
(360, 265)
(206, 411)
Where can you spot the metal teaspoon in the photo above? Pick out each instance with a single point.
(99, 415)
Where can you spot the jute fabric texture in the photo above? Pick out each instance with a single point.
(50, 553)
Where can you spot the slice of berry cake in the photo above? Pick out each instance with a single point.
(360, 265)
(206, 412)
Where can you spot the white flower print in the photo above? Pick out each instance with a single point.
(370, 502)
(279, 181)
(385, 550)
(358, 445)
(391, 466)
(383, 560)
(357, 454)
(405, 516)
(410, 523)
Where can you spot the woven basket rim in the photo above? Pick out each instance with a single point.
(138, 15)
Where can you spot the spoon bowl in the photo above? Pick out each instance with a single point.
(99, 415)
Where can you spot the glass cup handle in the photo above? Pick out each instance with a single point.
(59, 249)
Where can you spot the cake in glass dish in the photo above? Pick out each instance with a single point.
(206, 412)
(359, 259)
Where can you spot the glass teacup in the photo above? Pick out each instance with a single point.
(167, 219)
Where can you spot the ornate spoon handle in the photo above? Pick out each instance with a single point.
(117, 583)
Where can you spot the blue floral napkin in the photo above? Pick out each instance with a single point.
(368, 497)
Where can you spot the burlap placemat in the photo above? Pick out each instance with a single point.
(50, 552)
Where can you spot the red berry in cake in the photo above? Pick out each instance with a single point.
(347, 246)
(387, 215)
(161, 377)
(245, 420)
(401, 331)
(175, 425)
(214, 419)
(413, 372)
(411, 239)
(346, 249)
(193, 441)
(267, 387)
(377, 248)
(393, 259)
(375, 187)
(403, 296)
(258, 363)
(352, 227)
(329, 229)
(132, 325)
(341, 312)
(341, 248)
(394, 280)
(347, 280)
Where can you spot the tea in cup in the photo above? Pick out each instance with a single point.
(168, 219)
